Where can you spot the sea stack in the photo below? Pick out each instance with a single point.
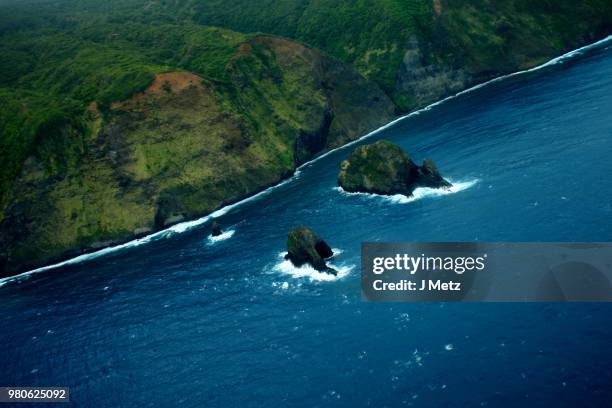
(306, 247)
(215, 229)
(384, 168)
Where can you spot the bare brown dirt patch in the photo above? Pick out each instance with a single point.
(164, 83)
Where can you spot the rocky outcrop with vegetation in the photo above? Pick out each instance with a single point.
(384, 168)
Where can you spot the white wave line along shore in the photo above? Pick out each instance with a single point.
(418, 194)
(187, 225)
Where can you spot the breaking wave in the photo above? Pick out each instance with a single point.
(286, 267)
(418, 193)
(221, 237)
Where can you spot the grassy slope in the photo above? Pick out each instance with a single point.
(61, 71)
(482, 37)
(99, 172)
(370, 34)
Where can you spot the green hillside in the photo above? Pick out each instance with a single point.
(471, 39)
(474, 39)
(112, 130)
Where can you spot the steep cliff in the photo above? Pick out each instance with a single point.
(184, 147)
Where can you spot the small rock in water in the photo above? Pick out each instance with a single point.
(215, 229)
(306, 247)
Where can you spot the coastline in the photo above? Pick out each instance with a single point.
(188, 225)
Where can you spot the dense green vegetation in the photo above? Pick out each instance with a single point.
(480, 36)
(127, 128)
(50, 75)
(80, 51)
(371, 34)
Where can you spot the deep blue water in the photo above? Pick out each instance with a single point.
(181, 321)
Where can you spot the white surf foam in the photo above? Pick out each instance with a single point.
(221, 237)
(286, 267)
(417, 194)
(185, 226)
